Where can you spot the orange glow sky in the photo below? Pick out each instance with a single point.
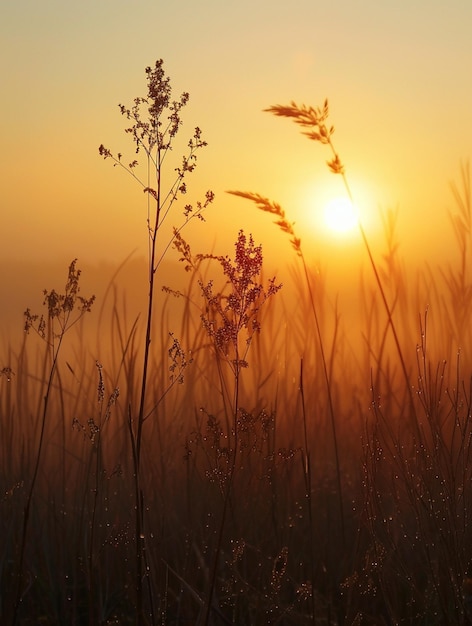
(397, 76)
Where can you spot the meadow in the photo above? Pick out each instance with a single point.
(227, 449)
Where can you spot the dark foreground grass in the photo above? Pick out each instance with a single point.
(233, 458)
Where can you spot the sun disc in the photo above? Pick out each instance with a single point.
(340, 215)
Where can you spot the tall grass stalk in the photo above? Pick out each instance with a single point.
(458, 280)
(306, 460)
(231, 322)
(96, 433)
(313, 120)
(417, 497)
(62, 312)
(155, 122)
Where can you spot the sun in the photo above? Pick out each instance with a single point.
(340, 216)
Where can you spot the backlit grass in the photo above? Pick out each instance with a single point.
(236, 452)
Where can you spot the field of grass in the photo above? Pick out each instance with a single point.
(236, 452)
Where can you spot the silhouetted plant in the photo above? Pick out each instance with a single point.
(246, 529)
(155, 122)
(313, 121)
(458, 280)
(63, 310)
(94, 431)
(231, 320)
(287, 227)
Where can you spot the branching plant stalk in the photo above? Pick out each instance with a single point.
(228, 317)
(152, 273)
(155, 122)
(141, 412)
(51, 329)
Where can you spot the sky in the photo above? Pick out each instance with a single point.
(396, 75)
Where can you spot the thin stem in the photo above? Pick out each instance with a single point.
(29, 499)
(330, 398)
(308, 492)
(377, 278)
(228, 489)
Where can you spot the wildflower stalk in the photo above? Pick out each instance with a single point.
(155, 122)
(231, 321)
(63, 312)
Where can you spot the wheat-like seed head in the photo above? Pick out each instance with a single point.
(266, 205)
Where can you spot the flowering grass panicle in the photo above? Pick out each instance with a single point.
(231, 312)
(7, 372)
(264, 204)
(155, 121)
(60, 307)
(312, 118)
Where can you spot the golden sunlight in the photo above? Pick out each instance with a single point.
(340, 216)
